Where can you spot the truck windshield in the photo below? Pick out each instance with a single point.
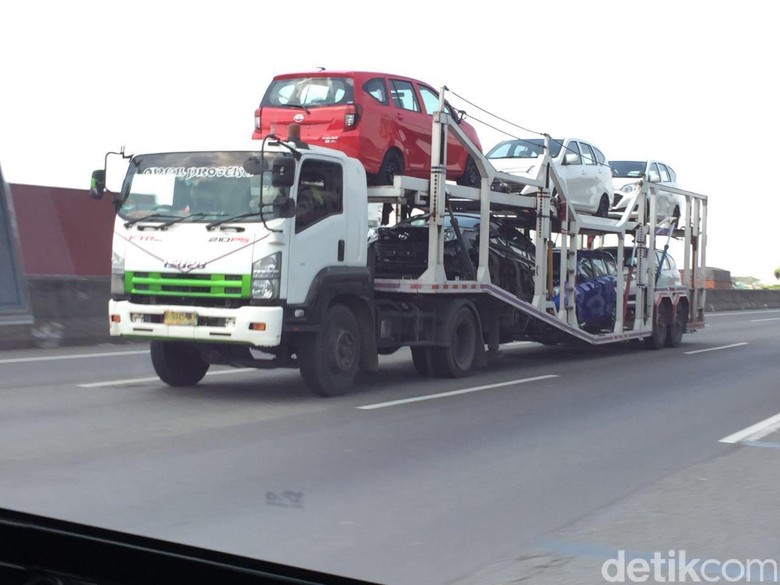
(197, 187)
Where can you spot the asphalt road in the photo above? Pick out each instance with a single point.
(378, 484)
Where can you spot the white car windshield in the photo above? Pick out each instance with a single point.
(627, 169)
(524, 148)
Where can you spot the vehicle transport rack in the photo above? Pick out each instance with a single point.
(286, 278)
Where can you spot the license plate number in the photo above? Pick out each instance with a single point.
(180, 318)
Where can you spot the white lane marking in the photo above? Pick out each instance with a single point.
(715, 348)
(73, 356)
(754, 432)
(740, 313)
(455, 392)
(156, 379)
(770, 319)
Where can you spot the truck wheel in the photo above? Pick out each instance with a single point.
(678, 326)
(456, 358)
(421, 358)
(178, 363)
(329, 359)
(660, 328)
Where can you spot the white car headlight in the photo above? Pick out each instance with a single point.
(629, 188)
(266, 273)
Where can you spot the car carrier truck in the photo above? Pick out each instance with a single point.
(276, 271)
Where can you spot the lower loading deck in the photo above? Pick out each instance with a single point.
(542, 325)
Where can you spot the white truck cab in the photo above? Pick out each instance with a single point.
(234, 249)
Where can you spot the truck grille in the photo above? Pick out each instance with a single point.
(188, 285)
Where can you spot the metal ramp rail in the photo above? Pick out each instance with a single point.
(480, 288)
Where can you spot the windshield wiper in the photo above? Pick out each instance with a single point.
(130, 222)
(302, 106)
(214, 224)
(168, 224)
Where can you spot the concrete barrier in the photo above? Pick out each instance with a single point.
(734, 299)
(67, 310)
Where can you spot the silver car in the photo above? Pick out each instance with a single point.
(626, 175)
(582, 167)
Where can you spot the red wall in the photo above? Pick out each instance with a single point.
(63, 231)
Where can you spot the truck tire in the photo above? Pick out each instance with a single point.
(456, 359)
(329, 359)
(678, 326)
(178, 363)
(660, 327)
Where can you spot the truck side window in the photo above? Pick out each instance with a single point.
(320, 193)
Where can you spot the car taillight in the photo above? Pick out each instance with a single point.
(351, 117)
(258, 119)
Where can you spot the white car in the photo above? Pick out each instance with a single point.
(582, 167)
(668, 273)
(626, 175)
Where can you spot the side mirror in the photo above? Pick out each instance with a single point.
(283, 172)
(653, 177)
(571, 158)
(284, 207)
(97, 185)
(255, 165)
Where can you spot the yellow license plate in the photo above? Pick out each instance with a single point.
(180, 318)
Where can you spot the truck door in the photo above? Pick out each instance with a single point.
(322, 233)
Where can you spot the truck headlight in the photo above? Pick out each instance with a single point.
(117, 274)
(265, 277)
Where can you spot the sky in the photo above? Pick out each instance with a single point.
(694, 84)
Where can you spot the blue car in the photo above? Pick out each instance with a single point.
(595, 292)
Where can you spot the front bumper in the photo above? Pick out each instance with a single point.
(255, 326)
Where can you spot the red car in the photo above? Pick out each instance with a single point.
(382, 120)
